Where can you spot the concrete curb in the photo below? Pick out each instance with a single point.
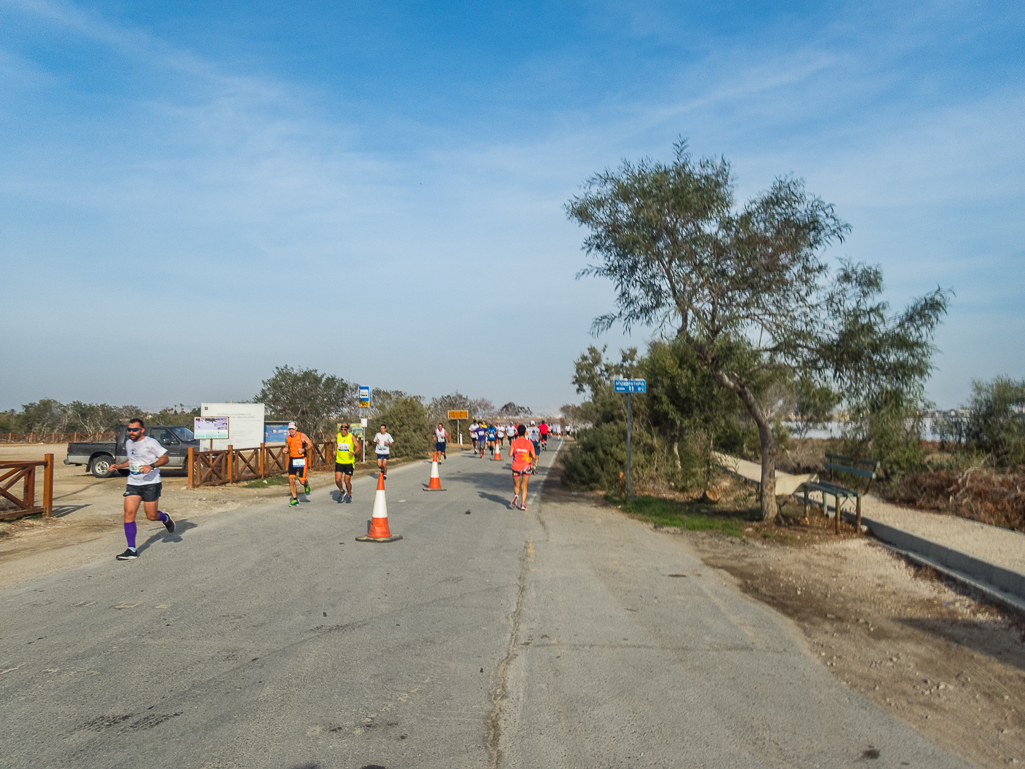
(997, 582)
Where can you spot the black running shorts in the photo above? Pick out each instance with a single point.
(345, 469)
(150, 492)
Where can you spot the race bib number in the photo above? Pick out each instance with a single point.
(135, 468)
(300, 462)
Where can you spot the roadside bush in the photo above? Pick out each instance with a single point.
(996, 422)
(598, 456)
(596, 459)
(409, 424)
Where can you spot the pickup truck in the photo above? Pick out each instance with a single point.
(98, 457)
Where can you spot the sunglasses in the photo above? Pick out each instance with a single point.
(135, 429)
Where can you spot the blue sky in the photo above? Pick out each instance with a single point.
(193, 193)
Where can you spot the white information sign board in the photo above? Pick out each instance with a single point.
(246, 420)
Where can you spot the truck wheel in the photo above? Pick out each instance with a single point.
(100, 466)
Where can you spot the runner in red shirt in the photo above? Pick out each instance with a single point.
(543, 429)
(523, 457)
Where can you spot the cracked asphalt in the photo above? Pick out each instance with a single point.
(486, 637)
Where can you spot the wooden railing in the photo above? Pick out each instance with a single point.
(231, 465)
(55, 437)
(11, 505)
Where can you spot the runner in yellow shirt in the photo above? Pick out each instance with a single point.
(345, 461)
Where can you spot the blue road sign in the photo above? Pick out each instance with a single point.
(364, 396)
(630, 385)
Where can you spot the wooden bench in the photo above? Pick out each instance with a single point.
(835, 463)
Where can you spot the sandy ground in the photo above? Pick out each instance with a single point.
(951, 666)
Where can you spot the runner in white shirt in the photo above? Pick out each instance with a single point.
(440, 436)
(145, 458)
(384, 443)
(534, 436)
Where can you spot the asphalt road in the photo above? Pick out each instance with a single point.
(486, 637)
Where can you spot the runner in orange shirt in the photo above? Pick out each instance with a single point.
(299, 450)
(523, 458)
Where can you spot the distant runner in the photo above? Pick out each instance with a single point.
(523, 460)
(145, 457)
(534, 436)
(482, 434)
(300, 448)
(543, 430)
(492, 434)
(347, 445)
(440, 437)
(384, 443)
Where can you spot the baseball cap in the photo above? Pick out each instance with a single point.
(291, 426)
(532, 421)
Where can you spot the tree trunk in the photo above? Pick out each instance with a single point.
(768, 489)
(765, 438)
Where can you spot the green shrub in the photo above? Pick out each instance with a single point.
(996, 423)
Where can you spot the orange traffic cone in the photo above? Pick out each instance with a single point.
(498, 453)
(379, 521)
(435, 484)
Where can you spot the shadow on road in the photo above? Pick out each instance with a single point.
(180, 526)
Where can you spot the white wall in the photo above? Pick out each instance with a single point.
(245, 424)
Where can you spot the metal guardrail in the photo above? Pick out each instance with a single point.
(13, 506)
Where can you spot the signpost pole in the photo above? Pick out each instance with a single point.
(629, 386)
(629, 395)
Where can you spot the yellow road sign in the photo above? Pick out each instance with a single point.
(459, 415)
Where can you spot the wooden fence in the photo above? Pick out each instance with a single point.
(231, 465)
(11, 505)
(55, 437)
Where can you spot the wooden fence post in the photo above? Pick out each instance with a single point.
(190, 461)
(231, 463)
(262, 447)
(29, 494)
(48, 486)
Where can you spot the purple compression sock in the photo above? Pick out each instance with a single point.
(130, 534)
(162, 516)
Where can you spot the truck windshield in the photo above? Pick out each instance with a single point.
(183, 432)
